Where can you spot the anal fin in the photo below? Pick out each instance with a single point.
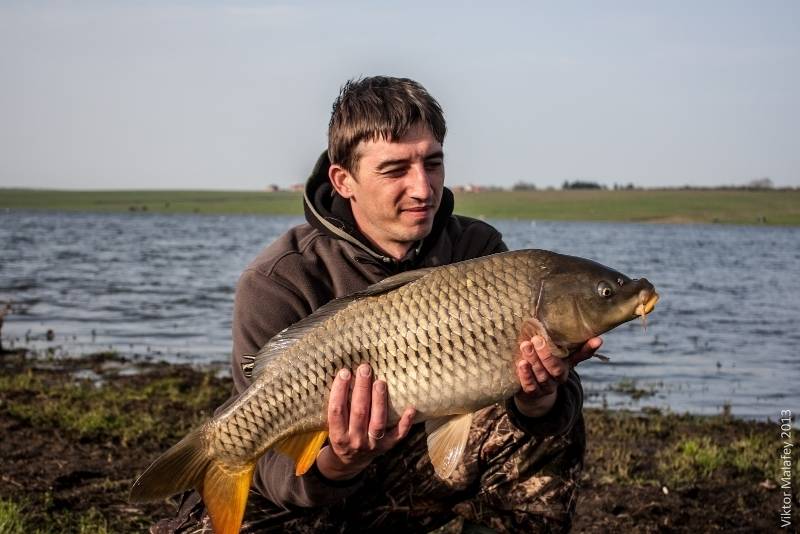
(225, 493)
(303, 449)
(447, 439)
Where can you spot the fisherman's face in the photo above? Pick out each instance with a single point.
(396, 188)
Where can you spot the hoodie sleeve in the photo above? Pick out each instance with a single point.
(561, 417)
(263, 307)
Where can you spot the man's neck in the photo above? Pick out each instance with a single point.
(394, 249)
(398, 251)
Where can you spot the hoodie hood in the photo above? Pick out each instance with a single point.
(328, 212)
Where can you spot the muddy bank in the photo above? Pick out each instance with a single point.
(77, 431)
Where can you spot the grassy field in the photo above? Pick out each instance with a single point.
(210, 202)
(665, 205)
(780, 207)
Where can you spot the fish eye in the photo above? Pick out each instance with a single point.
(604, 290)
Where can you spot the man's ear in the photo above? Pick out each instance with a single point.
(341, 180)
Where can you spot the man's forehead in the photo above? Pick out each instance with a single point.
(418, 142)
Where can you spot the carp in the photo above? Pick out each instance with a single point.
(444, 339)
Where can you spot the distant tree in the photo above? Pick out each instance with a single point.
(760, 183)
(523, 186)
(581, 184)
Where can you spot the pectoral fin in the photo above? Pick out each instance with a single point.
(303, 449)
(534, 327)
(447, 438)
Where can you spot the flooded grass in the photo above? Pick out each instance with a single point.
(628, 386)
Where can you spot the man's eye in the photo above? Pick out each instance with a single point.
(394, 172)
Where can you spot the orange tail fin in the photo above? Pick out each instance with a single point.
(187, 465)
(225, 496)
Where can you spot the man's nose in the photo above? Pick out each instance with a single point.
(420, 186)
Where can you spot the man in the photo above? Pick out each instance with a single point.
(376, 205)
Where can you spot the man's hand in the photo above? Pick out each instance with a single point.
(357, 425)
(540, 373)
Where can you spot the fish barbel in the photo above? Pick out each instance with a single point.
(445, 340)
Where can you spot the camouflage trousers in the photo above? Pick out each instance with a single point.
(509, 481)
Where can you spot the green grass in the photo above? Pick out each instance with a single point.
(691, 459)
(754, 452)
(698, 458)
(678, 450)
(12, 518)
(209, 202)
(84, 411)
(665, 205)
(28, 518)
(780, 207)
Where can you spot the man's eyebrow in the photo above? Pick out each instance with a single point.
(390, 162)
(439, 154)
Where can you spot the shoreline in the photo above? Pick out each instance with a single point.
(83, 428)
(625, 394)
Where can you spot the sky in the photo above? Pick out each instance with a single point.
(237, 95)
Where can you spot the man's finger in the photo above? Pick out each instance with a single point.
(526, 349)
(377, 416)
(526, 377)
(337, 407)
(541, 373)
(404, 425)
(552, 367)
(360, 405)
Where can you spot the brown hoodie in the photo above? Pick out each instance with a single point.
(327, 258)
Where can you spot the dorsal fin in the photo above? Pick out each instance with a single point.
(292, 334)
(390, 283)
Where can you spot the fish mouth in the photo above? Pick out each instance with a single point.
(647, 301)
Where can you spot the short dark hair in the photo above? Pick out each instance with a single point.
(379, 107)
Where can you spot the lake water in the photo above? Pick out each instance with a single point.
(725, 333)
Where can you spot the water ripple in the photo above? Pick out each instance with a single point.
(723, 334)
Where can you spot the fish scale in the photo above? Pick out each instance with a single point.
(386, 332)
(445, 340)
